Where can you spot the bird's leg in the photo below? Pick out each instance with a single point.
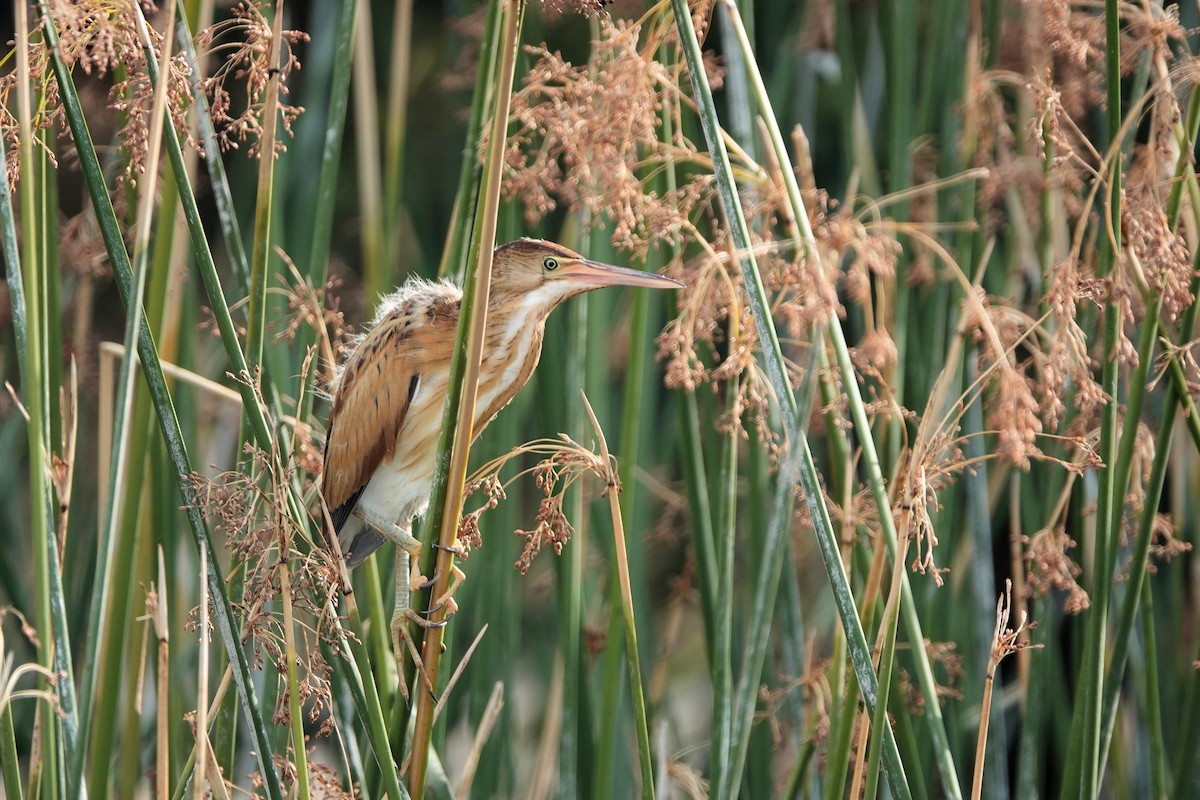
(399, 534)
(401, 613)
(408, 550)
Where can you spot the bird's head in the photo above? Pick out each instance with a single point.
(548, 273)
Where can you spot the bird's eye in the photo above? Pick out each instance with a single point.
(550, 263)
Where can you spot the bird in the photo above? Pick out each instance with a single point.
(385, 420)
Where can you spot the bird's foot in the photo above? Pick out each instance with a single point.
(403, 642)
(445, 599)
(417, 581)
(457, 576)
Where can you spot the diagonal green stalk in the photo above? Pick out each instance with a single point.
(123, 422)
(774, 545)
(168, 422)
(259, 424)
(122, 429)
(12, 262)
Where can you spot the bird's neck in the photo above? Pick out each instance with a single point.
(511, 313)
(511, 351)
(513, 319)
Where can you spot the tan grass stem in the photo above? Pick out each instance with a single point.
(201, 746)
(1005, 641)
(612, 490)
(264, 202)
(545, 768)
(299, 750)
(491, 714)
(158, 602)
(457, 472)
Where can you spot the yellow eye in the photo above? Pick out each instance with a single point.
(550, 263)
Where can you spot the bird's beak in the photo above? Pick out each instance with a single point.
(593, 275)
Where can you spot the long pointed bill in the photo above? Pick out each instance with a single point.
(593, 275)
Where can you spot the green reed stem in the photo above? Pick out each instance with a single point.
(721, 752)
(122, 429)
(35, 364)
(466, 198)
(1156, 748)
(366, 700)
(879, 718)
(841, 733)
(331, 152)
(1082, 774)
(454, 442)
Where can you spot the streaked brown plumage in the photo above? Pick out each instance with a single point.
(386, 417)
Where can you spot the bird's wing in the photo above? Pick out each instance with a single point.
(375, 395)
(368, 412)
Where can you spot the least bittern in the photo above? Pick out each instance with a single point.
(387, 408)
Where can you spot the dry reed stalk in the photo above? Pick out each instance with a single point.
(1005, 641)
